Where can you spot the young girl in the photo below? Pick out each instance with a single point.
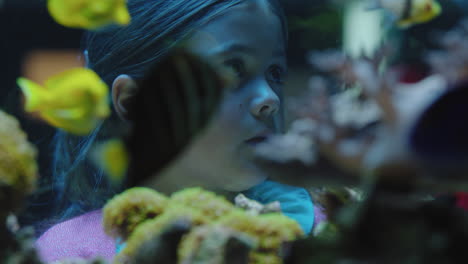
(246, 37)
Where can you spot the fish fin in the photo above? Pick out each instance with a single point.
(34, 94)
(406, 23)
(80, 127)
(121, 15)
(112, 157)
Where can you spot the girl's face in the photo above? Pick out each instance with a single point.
(248, 41)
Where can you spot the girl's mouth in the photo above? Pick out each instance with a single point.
(256, 140)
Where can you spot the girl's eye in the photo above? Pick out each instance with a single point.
(276, 74)
(237, 66)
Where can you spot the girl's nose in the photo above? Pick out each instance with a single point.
(266, 102)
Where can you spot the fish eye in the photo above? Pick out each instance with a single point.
(276, 74)
(237, 66)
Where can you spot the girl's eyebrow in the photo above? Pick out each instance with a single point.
(237, 47)
(233, 47)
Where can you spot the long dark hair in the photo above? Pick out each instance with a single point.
(157, 27)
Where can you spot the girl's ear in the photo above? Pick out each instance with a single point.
(124, 88)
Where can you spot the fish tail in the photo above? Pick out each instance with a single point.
(33, 93)
(102, 108)
(404, 24)
(437, 8)
(121, 15)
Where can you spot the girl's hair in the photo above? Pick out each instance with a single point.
(157, 26)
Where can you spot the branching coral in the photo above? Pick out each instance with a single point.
(127, 210)
(452, 61)
(352, 146)
(394, 220)
(298, 143)
(363, 128)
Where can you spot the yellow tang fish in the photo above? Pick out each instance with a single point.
(89, 14)
(410, 12)
(75, 100)
(111, 156)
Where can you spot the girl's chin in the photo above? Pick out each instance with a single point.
(235, 187)
(245, 180)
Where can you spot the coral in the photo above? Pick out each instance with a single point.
(152, 228)
(163, 246)
(360, 129)
(217, 230)
(18, 167)
(215, 244)
(452, 60)
(124, 212)
(333, 199)
(255, 207)
(289, 147)
(208, 203)
(271, 230)
(366, 127)
(326, 230)
(263, 258)
(18, 175)
(17, 246)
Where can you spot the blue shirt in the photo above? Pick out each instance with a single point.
(295, 202)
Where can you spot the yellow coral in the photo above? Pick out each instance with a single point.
(210, 242)
(271, 230)
(265, 258)
(152, 228)
(124, 212)
(220, 219)
(18, 167)
(212, 206)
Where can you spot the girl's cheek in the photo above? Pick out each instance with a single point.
(231, 111)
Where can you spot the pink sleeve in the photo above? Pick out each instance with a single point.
(79, 237)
